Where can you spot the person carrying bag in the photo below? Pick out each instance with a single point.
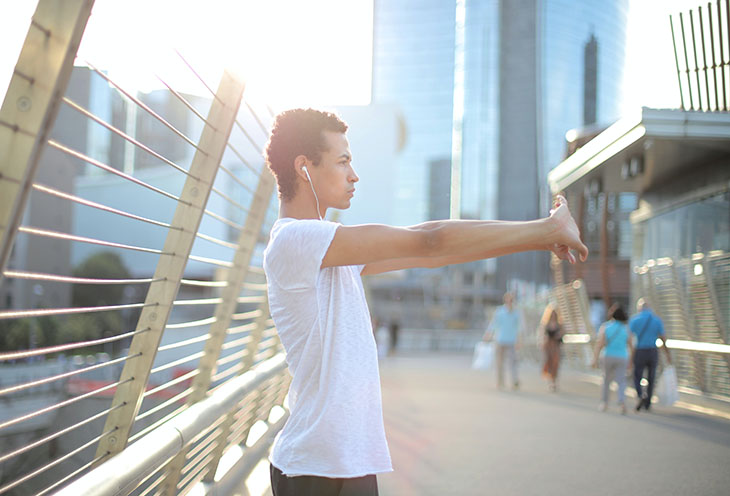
(647, 327)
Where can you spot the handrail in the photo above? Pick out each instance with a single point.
(194, 299)
(121, 473)
(672, 344)
(690, 296)
(680, 344)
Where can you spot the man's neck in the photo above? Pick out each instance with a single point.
(298, 208)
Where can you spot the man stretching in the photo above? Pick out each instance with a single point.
(334, 441)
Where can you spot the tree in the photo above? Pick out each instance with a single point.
(48, 331)
(100, 265)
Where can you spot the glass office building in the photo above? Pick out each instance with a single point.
(480, 124)
(424, 55)
(571, 31)
(569, 34)
(413, 67)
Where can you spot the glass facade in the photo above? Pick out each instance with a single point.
(567, 32)
(683, 266)
(413, 67)
(567, 28)
(699, 227)
(481, 110)
(426, 56)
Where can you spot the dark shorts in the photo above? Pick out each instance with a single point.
(310, 485)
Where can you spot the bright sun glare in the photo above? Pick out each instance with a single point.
(289, 52)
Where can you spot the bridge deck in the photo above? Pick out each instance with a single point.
(451, 431)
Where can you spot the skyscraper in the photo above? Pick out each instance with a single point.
(567, 28)
(590, 81)
(522, 67)
(413, 67)
(559, 66)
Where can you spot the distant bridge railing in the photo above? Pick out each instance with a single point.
(131, 235)
(692, 297)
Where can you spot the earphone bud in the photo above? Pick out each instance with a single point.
(304, 168)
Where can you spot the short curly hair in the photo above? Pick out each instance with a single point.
(298, 132)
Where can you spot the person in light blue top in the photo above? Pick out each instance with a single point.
(648, 328)
(614, 337)
(504, 328)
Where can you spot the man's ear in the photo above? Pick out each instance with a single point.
(300, 162)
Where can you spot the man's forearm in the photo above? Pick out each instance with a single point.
(384, 248)
(492, 238)
(477, 240)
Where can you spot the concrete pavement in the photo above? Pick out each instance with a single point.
(451, 432)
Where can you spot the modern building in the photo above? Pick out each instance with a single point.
(650, 194)
(561, 67)
(654, 191)
(532, 70)
(58, 170)
(493, 86)
(413, 68)
(68, 174)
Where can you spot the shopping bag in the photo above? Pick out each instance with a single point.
(483, 355)
(668, 388)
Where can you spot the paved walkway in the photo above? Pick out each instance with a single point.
(451, 432)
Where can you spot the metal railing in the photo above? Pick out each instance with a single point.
(690, 295)
(200, 422)
(571, 301)
(702, 61)
(131, 296)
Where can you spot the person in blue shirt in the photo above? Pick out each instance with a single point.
(504, 328)
(614, 336)
(647, 327)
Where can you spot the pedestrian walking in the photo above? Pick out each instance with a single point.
(552, 331)
(647, 327)
(614, 336)
(333, 442)
(504, 328)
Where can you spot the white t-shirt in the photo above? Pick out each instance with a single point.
(336, 423)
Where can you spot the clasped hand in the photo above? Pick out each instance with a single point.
(565, 235)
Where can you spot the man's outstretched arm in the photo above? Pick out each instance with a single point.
(437, 243)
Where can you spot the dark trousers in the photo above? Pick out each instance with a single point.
(310, 485)
(645, 358)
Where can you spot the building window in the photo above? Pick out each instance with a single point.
(698, 227)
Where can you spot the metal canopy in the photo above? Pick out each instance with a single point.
(644, 149)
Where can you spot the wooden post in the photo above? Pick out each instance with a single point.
(170, 268)
(31, 105)
(206, 368)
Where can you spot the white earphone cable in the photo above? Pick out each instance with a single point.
(311, 185)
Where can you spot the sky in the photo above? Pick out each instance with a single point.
(650, 78)
(271, 45)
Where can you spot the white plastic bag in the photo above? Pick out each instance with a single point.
(483, 355)
(668, 388)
